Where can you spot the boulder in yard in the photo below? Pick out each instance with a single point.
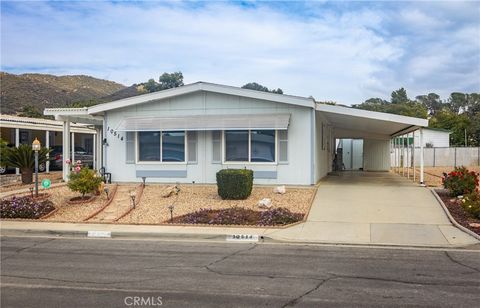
(265, 203)
(280, 190)
(170, 191)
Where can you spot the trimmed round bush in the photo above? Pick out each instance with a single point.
(234, 184)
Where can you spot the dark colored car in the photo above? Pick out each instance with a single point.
(80, 154)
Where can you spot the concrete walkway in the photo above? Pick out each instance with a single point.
(375, 208)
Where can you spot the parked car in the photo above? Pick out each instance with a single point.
(6, 169)
(80, 154)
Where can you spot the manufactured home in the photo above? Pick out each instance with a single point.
(187, 134)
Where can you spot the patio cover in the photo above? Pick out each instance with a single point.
(206, 122)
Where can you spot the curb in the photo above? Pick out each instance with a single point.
(450, 217)
(122, 234)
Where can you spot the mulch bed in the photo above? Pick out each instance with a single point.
(456, 210)
(240, 216)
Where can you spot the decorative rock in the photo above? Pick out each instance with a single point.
(170, 191)
(280, 189)
(474, 225)
(265, 203)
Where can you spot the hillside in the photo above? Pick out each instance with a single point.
(47, 91)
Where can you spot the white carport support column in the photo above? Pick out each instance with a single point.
(408, 156)
(94, 152)
(421, 157)
(413, 157)
(98, 145)
(17, 144)
(73, 147)
(403, 155)
(66, 149)
(47, 145)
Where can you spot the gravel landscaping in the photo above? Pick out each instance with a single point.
(153, 209)
(72, 212)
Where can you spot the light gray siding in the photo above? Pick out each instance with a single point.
(296, 171)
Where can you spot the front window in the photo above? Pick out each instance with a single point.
(149, 146)
(250, 146)
(173, 146)
(161, 146)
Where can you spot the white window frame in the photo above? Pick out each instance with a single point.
(249, 162)
(160, 162)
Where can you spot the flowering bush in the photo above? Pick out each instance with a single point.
(240, 216)
(471, 204)
(24, 207)
(83, 180)
(460, 181)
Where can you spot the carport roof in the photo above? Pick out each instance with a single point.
(358, 121)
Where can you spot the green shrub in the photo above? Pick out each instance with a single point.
(460, 181)
(471, 204)
(84, 180)
(234, 184)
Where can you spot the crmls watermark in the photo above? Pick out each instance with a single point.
(143, 301)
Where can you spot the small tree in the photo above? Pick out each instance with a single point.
(23, 158)
(83, 180)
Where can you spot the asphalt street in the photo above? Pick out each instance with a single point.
(60, 272)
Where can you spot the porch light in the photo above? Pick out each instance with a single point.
(36, 145)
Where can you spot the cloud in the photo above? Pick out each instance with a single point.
(340, 52)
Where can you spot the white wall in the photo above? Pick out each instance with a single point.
(376, 155)
(435, 137)
(297, 171)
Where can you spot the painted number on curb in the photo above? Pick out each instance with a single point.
(242, 237)
(99, 234)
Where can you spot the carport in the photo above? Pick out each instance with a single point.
(381, 133)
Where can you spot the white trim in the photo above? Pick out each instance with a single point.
(202, 86)
(160, 162)
(249, 162)
(374, 115)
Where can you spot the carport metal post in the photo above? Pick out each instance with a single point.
(17, 144)
(47, 145)
(73, 148)
(403, 155)
(413, 156)
(398, 155)
(421, 156)
(408, 155)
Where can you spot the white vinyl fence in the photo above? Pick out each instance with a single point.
(437, 157)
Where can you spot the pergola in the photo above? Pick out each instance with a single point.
(78, 115)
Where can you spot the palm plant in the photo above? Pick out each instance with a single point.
(23, 158)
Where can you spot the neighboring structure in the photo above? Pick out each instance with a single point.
(434, 138)
(22, 130)
(187, 134)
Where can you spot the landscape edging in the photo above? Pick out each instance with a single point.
(450, 217)
(109, 200)
(137, 202)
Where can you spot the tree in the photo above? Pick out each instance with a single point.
(431, 101)
(170, 80)
(258, 87)
(151, 85)
(399, 96)
(456, 123)
(30, 112)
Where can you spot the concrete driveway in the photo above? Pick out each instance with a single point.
(376, 208)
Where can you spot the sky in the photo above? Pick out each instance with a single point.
(337, 51)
